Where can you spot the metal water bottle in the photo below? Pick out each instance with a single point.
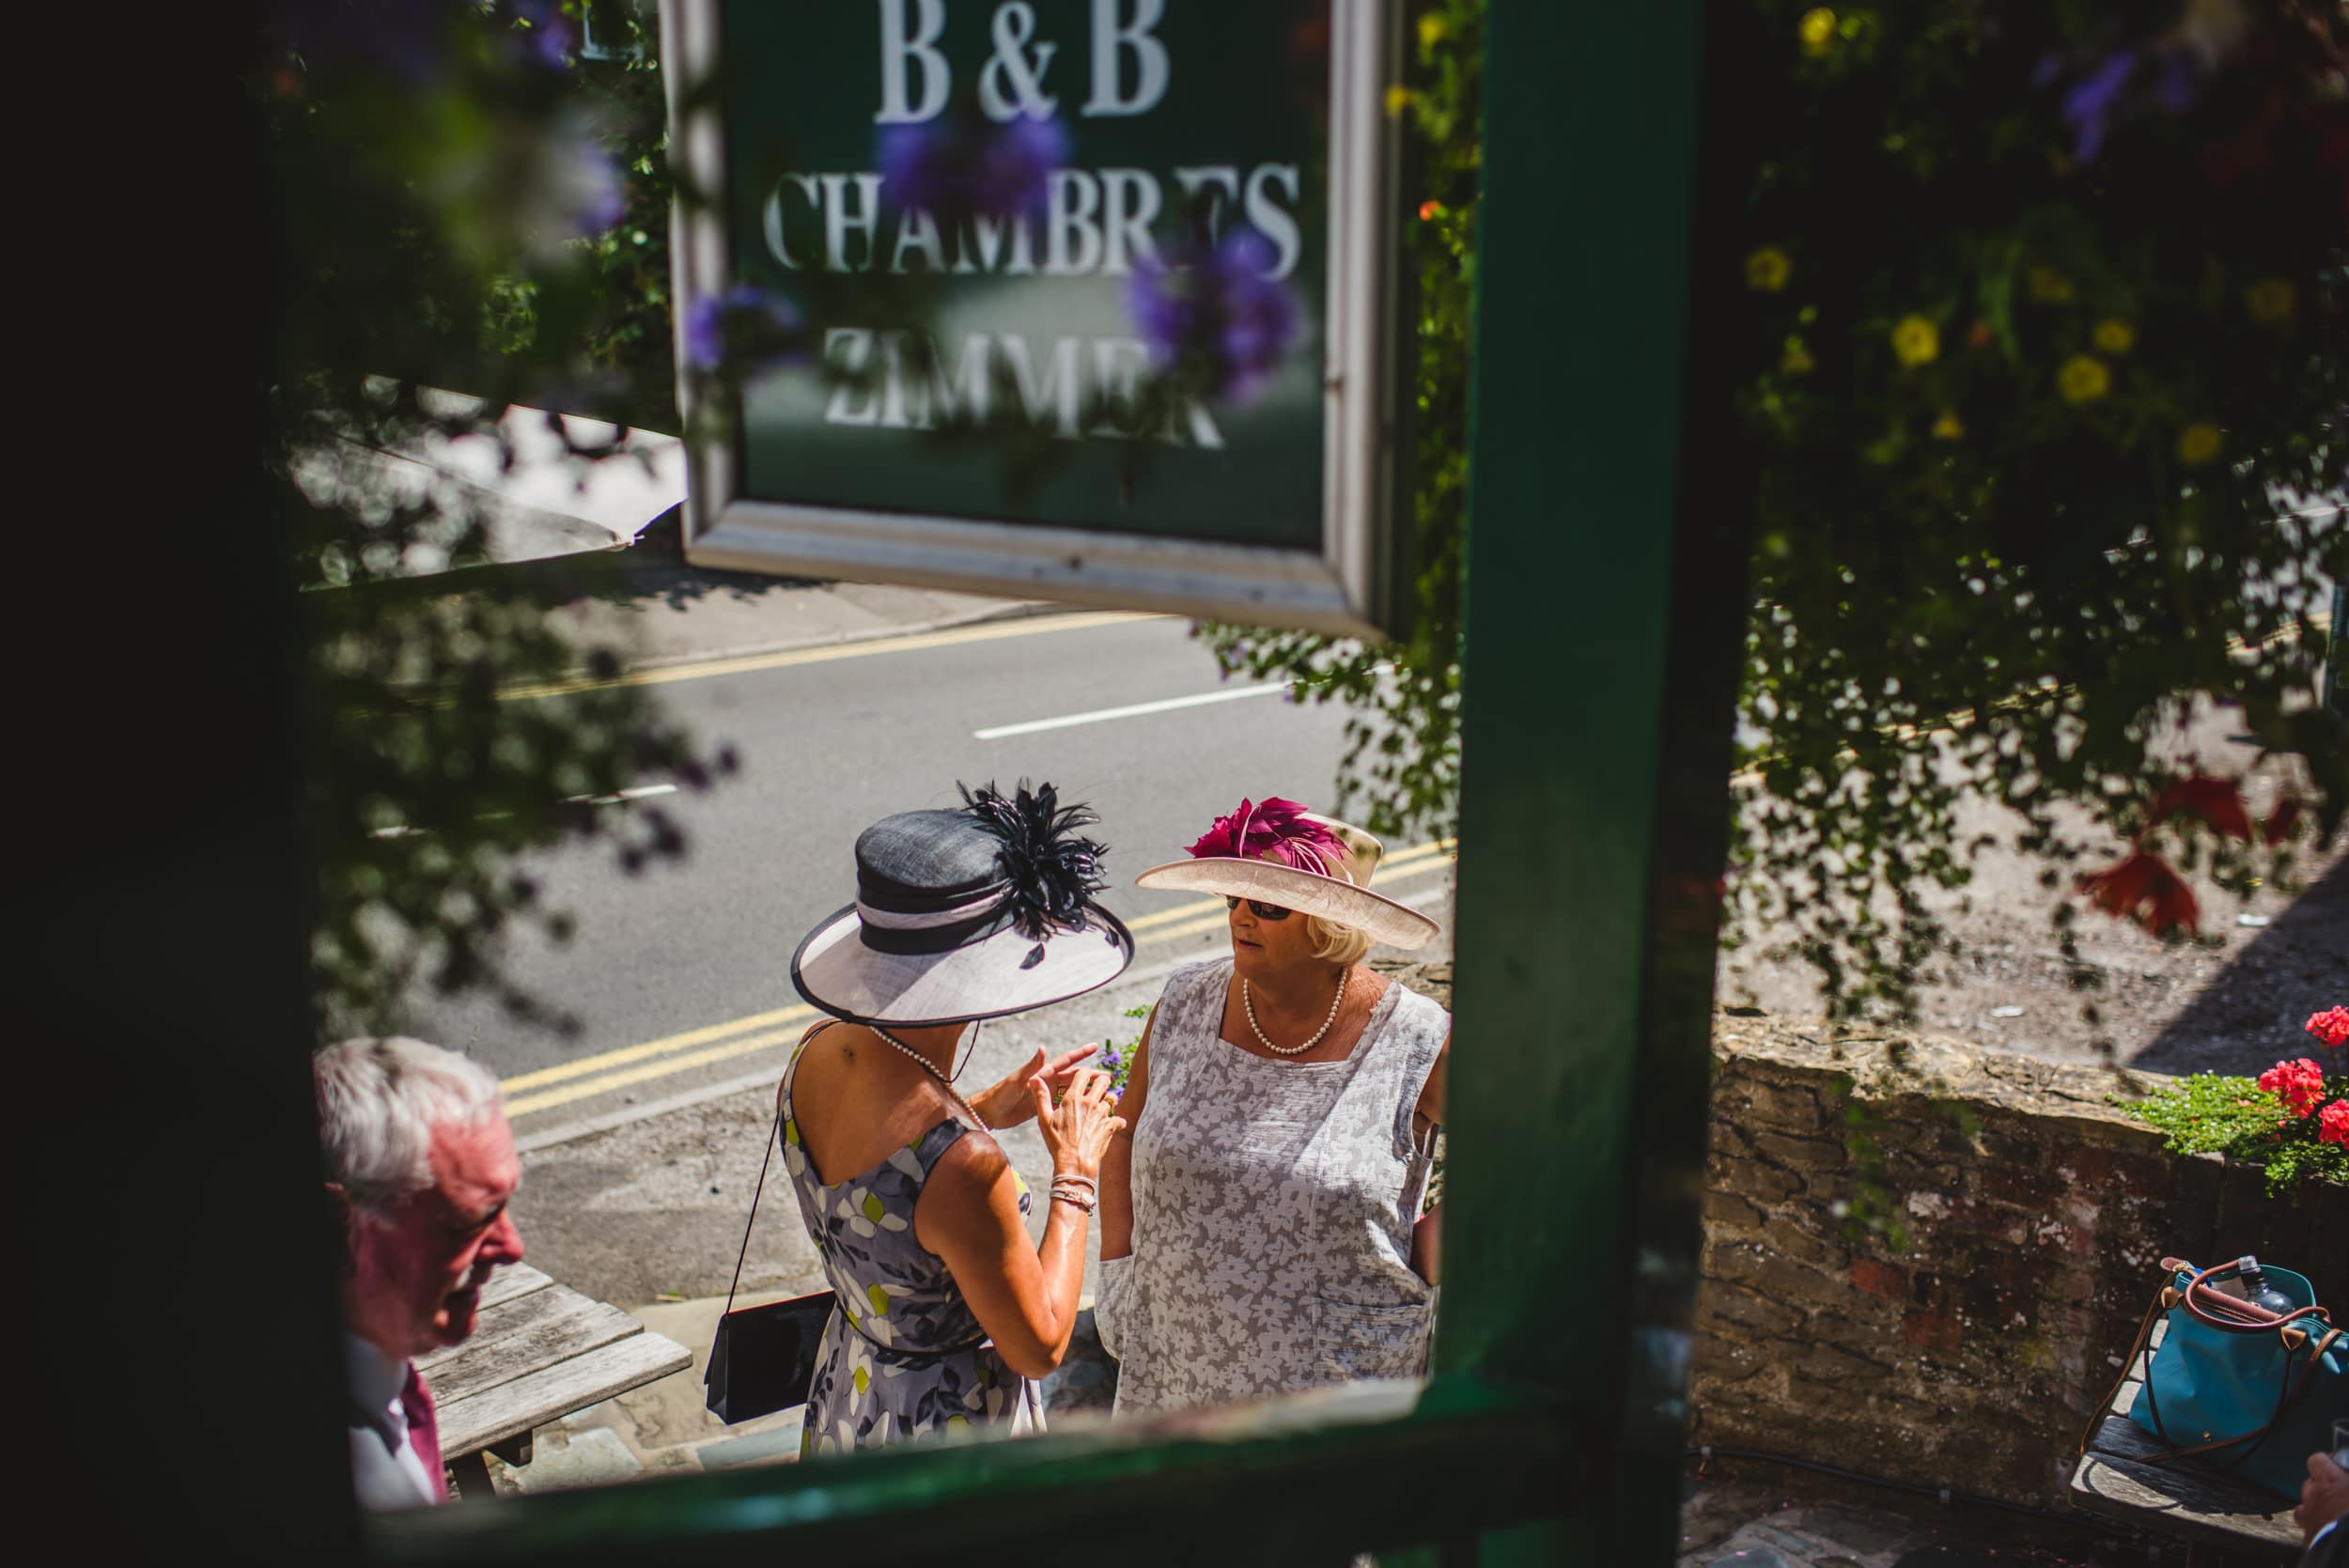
(2256, 1289)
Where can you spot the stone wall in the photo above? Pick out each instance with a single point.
(1967, 1352)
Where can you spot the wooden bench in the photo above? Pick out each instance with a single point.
(2215, 1513)
(540, 1351)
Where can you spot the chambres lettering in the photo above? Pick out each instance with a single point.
(972, 180)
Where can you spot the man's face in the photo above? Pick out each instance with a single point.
(415, 1284)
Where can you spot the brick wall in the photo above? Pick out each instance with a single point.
(2035, 1216)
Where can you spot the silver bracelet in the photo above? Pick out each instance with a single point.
(1081, 1204)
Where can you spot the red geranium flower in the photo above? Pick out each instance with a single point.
(2330, 1026)
(2333, 1126)
(2215, 800)
(2144, 889)
(2299, 1084)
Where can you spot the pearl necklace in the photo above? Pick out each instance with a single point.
(931, 1067)
(1249, 1003)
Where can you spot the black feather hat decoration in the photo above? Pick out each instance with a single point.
(1053, 870)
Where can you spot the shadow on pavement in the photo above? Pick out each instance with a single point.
(2252, 1011)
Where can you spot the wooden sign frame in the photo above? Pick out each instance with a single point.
(1356, 584)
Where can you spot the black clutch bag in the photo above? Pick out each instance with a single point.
(764, 1357)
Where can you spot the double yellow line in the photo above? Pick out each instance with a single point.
(566, 1082)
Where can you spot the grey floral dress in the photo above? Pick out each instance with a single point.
(1273, 1207)
(904, 1356)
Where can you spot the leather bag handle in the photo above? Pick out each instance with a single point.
(2215, 1309)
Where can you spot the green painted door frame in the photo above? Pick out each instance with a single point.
(1604, 571)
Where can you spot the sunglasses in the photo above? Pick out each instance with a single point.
(1257, 908)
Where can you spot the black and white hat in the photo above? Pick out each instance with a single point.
(973, 913)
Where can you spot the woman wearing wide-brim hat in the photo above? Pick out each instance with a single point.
(1260, 1219)
(948, 1309)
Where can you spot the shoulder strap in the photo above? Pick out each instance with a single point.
(773, 1132)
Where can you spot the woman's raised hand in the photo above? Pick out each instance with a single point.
(1005, 1102)
(1077, 1130)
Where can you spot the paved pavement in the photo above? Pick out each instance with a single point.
(1769, 1517)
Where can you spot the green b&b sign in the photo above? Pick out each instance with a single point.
(1082, 299)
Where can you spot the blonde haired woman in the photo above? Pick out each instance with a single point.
(1260, 1228)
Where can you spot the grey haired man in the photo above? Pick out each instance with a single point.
(420, 1164)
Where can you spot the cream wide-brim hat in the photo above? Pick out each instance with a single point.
(1333, 899)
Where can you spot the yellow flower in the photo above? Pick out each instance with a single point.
(2270, 300)
(1431, 31)
(1948, 426)
(2083, 380)
(1767, 270)
(1398, 99)
(1917, 341)
(1817, 30)
(1797, 360)
(2048, 285)
(2197, 444)
(2114, 337)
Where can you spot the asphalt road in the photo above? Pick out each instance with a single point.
(678, 976)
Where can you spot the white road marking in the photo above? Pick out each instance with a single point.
(640, 792)
(1132, 710)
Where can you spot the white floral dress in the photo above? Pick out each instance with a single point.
(1273, 1207)
(904, 1356)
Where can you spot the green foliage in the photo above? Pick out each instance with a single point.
(1118, 1060)
(2045, 439)
(443, 196)
(1401, 762)
(2213, 1113)
(619, 357)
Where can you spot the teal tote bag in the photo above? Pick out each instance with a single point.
(2248, 1393)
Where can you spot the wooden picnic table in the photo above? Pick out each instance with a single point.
(540, 1351)
(2188, 1497)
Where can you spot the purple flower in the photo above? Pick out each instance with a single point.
(1221, 316)
(2087, 107)
(746, 328)
(592, 190)
(960, 166)
(2121, 89)
(546, 31)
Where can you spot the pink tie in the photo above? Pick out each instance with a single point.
(424, 1431)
